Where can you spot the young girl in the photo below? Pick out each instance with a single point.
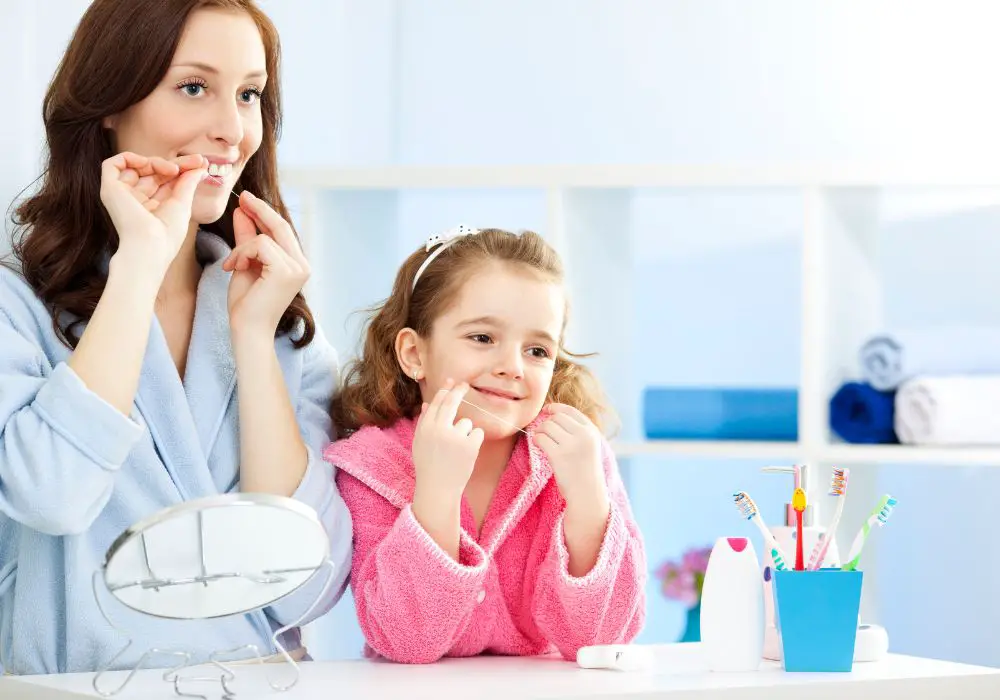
(489, 515)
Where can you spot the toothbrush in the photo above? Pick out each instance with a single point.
(879, 516)
(799, 504)
(838, 488)
(748, 509)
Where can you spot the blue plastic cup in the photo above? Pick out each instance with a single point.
(816, 613)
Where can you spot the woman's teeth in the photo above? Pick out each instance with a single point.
(220, 169)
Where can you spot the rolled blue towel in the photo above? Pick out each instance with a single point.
(861, 414)
(711, 413)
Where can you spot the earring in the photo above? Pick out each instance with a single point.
(416, 375)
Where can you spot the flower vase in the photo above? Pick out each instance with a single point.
(692, 631)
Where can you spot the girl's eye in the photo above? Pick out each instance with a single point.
(540, 353)
(480, 338)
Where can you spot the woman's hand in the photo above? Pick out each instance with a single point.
(149, 200)
(268, 268)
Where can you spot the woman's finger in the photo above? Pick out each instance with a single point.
(191, 162)
(244, 229)
(263, 250)
(271, 222)
(164, 168)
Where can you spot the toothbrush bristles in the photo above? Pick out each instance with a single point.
(838, 483)
(886, 511)
(745, 504)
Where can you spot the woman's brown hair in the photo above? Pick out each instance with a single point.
(375, 390)
(118, 55)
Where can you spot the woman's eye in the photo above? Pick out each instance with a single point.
(250, 96)
(192, 89)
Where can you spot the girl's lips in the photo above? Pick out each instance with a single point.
(502, 395)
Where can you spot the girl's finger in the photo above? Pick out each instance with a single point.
(451, 402)
(570, 425)
(545, 443)
(569, 411)
(556, 433)
(435, 406)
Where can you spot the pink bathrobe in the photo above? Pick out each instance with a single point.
(511, 591)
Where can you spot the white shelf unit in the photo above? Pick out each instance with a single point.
(835, 454)
(590, 203)
(353, 211)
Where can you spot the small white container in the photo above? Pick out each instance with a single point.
(732, 607)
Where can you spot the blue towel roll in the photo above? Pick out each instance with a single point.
(861, 414)
(683, 413)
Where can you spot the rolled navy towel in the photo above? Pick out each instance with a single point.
(861, 414)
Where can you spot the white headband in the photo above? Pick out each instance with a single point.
(445, 239)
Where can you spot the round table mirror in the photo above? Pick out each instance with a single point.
(216, 556)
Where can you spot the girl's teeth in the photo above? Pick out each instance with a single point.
(220, 170)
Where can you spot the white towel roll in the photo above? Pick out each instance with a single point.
(890, 358)
(949, 411)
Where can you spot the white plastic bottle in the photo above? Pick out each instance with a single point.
(732, 607)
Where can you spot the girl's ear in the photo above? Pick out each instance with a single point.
(409, 353)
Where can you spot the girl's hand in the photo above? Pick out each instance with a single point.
(445, 452)
(268, 268)
(572, 444)
(149, 200)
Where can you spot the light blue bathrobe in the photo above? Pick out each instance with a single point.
(75, 472)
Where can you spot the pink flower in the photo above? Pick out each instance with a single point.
(683, 581)
(696, 560)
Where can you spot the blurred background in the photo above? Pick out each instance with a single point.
(744, 191)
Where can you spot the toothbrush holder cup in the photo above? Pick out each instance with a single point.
(816, 613)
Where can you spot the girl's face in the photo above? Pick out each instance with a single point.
(208, 103)
(500, 336)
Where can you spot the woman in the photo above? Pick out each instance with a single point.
(143, 297)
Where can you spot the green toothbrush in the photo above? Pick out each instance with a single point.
(879, 516)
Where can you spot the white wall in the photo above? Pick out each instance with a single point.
(686, 81)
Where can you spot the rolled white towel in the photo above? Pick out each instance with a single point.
(952, 411)
(890, 358)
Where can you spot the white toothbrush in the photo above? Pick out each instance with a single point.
(838, 488)
(748, 509)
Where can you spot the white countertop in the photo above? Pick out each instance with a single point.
(679, 672)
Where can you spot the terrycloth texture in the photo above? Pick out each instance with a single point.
(949, 411)
(510, 592)
(861, 414)
(74, 473)
(890, 358)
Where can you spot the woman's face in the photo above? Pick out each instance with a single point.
(208, 103)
